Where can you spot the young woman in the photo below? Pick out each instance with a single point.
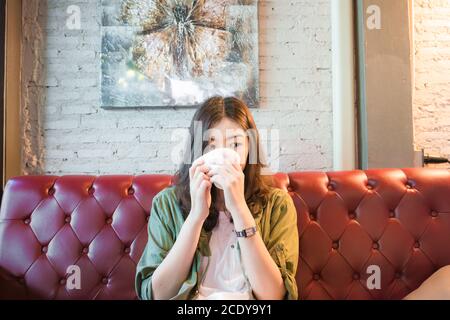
(239, 241)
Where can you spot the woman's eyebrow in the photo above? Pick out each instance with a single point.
(239, 135)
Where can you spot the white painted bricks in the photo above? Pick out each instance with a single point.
(66, 132)
(432, 76)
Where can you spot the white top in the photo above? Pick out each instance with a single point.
(225, 276)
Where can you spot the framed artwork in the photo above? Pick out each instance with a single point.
(178, 53)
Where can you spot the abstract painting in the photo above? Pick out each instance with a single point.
(178, 53)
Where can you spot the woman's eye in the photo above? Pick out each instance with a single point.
(236, 144)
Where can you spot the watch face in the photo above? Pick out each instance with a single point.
(247, 232)
(250, 232)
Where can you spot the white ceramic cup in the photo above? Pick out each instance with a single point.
(216, 158)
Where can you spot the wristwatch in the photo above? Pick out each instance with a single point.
(246, 233)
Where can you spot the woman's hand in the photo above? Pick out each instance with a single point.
(200, 189)
(231, 178)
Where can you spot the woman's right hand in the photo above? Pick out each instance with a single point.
(200, 189)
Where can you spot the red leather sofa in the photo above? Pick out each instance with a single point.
(396, 219)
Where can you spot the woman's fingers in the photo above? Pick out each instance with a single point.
(194, 166)
(196, 182)
(226, 173)
(237, 166)
(198, 178)
(201, 168)
(205, 185)
(212, 172)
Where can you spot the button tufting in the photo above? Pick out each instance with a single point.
(44, 249)
(417, 244)
(352, 215)
(21, 280)
(131, 191)
(85, 250)
(290, 189)
(27, 221)
(109, 221)
(434, 214)
(51, 191)
(127, 250)
(330, 187)
(312, 217)
(410, 183)
(356, 276)
(392, 214)
(62, 282)
(375, 246)
(67, 219)
(147, 218)
(398, 275)
(91, 190)
(371, 184)
(335, 245)
(316, 276)
(104, 280)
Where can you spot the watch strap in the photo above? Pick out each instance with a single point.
(246, 233)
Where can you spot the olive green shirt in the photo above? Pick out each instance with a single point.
(276, 223)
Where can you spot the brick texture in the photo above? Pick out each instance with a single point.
(66, 132)
(432, 76)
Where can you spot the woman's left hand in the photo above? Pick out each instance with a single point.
(231, 178)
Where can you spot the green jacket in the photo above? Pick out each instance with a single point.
(276, 223)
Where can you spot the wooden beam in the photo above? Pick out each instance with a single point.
(12, 90)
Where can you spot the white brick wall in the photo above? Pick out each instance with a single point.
(432, 76)
(66, 132)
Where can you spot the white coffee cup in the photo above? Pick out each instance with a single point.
(217, 157)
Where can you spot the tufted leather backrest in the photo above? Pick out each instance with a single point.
(396, 220)
(49, 223)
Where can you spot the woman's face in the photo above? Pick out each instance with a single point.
(228, 134)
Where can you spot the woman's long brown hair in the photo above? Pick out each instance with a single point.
(256, 186)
